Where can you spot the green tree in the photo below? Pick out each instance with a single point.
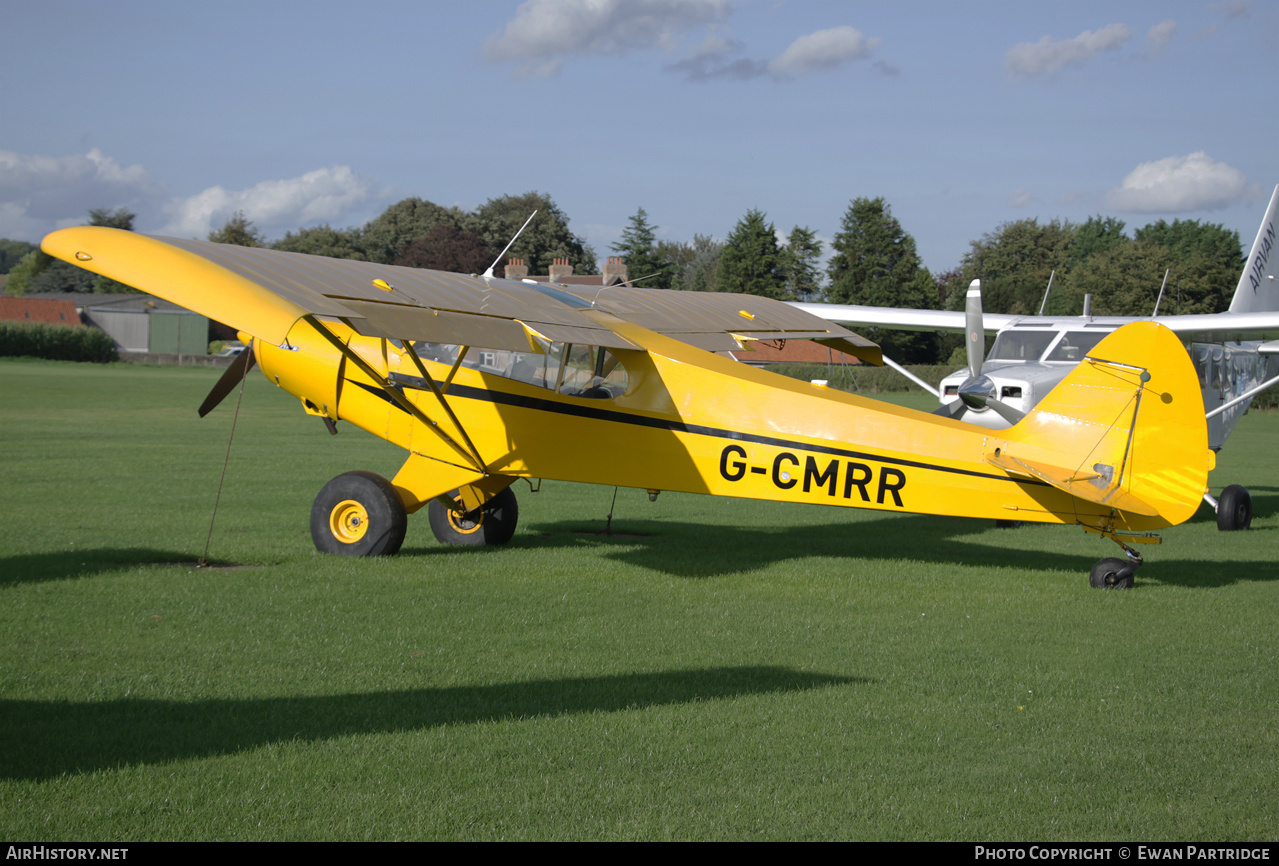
(117, 218)
(239, 231)
(449, 248)
(547, 237)
(876, 264)
(799, 263)
(1096, 235)
(1204, 252)
(12, 252)
(645, 260)
(1123, 280)
(385, 238)
(323, 241)
(27, 268)
(696, 264)
(1187, 238)
(751, 262)
(1014, 263)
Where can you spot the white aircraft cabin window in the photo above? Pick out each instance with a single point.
(1021, 345)
(1075, 345)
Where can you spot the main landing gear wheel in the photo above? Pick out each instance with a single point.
(1112, 573)
(491, 523)
(358, 514)
(1234, 509)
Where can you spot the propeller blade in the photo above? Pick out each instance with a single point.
(975, 342)
(1003, 410)
(239, 368)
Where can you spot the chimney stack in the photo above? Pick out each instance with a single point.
(516, 269)
(615, 271)
(560, 268)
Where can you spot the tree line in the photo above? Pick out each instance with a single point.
(873, 260)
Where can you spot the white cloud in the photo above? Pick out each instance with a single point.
(544, 33)
(321, 195)
(41, 193)
(1161, 34)
(821, 50)
(1233, 8)
(1048, 55)
(1180, 184)
(824, 49)
(1020, 198)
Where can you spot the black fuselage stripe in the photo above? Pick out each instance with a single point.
(540, 404)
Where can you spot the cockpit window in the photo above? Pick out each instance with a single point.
(1075, 345)
(1015, 345)
(578, 371)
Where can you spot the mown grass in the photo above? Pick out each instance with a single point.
(714, 669)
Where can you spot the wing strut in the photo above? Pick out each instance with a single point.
(439, 395)
(470, 456)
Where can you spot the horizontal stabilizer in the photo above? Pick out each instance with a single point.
(1094, 486)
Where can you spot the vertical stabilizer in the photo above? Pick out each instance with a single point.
(1258, 289)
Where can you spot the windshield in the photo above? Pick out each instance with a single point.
(1021, 345)
(1075, 344)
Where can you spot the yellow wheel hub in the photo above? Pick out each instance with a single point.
(348, 521)
(466, 523)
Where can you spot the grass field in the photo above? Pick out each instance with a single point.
(714, 669)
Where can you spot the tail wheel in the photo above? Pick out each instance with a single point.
(492, 523)
(358, 514)
(1112, 573)
(1234, 509)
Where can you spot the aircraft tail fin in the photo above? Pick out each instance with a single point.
(1124, 429)
(1258, 289)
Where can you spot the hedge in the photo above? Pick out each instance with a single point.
(864, 378)
(56, 342)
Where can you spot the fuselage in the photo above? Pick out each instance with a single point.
(675, 418)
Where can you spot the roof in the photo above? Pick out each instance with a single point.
(28, 309)
(124, 301)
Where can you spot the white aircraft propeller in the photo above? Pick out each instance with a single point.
(978, 392)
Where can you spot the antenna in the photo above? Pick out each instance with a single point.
(1044, 302)
(489, 272)
(1161, 293)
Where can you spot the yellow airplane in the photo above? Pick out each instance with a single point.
(484, 381)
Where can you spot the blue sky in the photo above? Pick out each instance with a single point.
(962, 115)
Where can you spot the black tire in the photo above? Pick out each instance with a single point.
(358, 514)
(1234, 509)
(1112, 573)
(492, 523)
(1008, 524)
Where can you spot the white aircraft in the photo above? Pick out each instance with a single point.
(1233, 352)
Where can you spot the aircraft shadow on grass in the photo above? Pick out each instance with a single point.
(713, 549)
(66, 564)
(45, 739)
(716, 550)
